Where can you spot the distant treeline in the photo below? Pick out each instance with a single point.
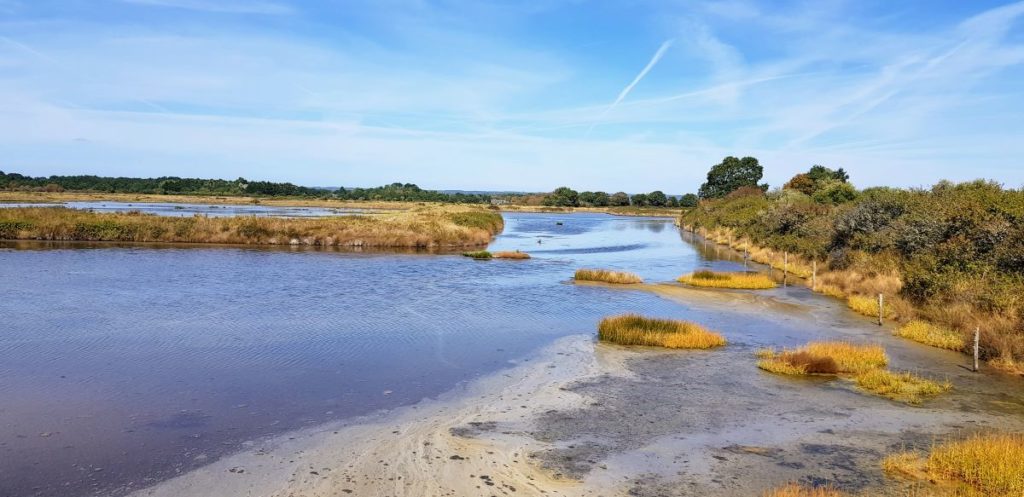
(567, 197)
(171, 185)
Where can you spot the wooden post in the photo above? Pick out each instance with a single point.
(745, 255)
(881, 307)
(814, 274)
(785, 268)
(705, 239)
(977, 341)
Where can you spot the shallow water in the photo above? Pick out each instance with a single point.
(209, 210)
(120, 366)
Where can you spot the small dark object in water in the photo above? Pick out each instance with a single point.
(558, 223)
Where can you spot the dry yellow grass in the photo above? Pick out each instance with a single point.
(633, 329)
(747, 281)
(606, 276)
(824, 358)
(866, 305)
(903, 387)
(511, 255)
(796, 490)
(930, 334)
(987, 465)
(429, 227)
(992, 463)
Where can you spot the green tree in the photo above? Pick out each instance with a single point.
(563, 196)
(601, 199)
(587, 198)
(673, 202)
(619, 199)
(657, 198)
(639, 200)
(689, 200)
(730, 175)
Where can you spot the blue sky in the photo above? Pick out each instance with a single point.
(518, 95)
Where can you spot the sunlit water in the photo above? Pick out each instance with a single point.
(188, 210)
(122, 366)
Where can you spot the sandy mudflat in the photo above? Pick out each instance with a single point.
(586, 419)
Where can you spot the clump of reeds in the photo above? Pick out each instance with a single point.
(904, 387)
(796, 490)
(930, 334)
(511, 255)
(633, 329)
(825, 358)
(989, 464)
(992, 463)
(478, 254)
(606, 276)
(747, 281)
(866, 305)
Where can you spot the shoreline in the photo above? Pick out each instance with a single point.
(581, 418)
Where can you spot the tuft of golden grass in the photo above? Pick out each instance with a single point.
(903, 463)
(511, 255)
(438, 226)
(825, 358)
(796, 490)
(993, 463)
(866, 305)
(478, 254)
(900, 386)
(746, 281)
(930, 334)
(606, 276)
(634, 329)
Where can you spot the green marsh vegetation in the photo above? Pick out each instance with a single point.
(634, 329)
(951, 255)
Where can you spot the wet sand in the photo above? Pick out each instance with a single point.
(586, 419)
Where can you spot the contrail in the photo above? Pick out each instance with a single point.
(625, 91)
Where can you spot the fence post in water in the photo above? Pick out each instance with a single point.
(814, 274)
(745, 255)
(977, 340)
(881, 306)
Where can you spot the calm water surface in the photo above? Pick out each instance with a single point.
(123, 366)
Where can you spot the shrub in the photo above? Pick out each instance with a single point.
(825, 358)
(478, 254)
(904, 387)
(633, 329)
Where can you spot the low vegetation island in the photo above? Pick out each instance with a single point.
(712, 279)
(607, 276)
(634, 329)
(434, 227)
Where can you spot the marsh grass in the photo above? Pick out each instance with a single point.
(931, 334)
(797, 490)
(478, 254)
(900, 386)
(606, 276)
(747, 281)
(866, 305)
(824, 358)
(986, 464)
(511, 255)
(633, 329)
(441, 226)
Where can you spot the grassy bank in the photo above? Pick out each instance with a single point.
(949, 256)
(426, 227)
(633, 329)
(983, 464)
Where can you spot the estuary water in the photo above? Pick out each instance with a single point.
(123, 366)
(189, 210)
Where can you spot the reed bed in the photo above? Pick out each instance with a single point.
(607, 276)
(903, 387)
(712, 279)
(824, 358)
(987, 464)
(427, 227)
(478, 254)
(797, 490)
(866, 305)
(511, 255)
(634, 329)
(931, 334)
